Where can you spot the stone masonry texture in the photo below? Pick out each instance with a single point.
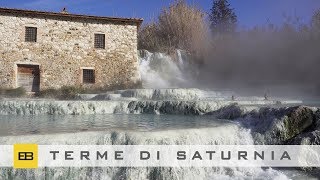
(65, 45)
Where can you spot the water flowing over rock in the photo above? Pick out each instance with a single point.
(109, 107)
(218, 135)
(163, 94)
(137, 101)
(37, 107)
(159, 70)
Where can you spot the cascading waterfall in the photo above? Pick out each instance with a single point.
(159, 70)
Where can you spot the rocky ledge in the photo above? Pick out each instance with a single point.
(286, 125)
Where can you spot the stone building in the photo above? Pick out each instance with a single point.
(41, 50)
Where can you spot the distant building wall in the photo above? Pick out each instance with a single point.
(64, 47)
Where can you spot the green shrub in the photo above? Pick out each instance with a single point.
(18, 92)
(48, 93)
(70, 92)
(121, 86)
(65, 92)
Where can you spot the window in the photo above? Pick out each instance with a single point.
(99, 41)
(31, 34)
(88, 76)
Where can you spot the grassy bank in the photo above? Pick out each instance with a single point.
(18, 92)
(65, 92)
(71, 92)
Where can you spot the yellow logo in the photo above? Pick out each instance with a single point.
(25, 156)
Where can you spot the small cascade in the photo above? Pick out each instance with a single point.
(159, 70)
(137, 101)
(180, 58)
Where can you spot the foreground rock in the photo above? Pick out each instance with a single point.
(230, 112)
(309, 138)
(279, 125)
(312, 137)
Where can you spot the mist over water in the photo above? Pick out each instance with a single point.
(283, 62)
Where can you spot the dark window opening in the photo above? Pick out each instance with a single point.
(88, 76)
(99, 41)
(31, 34)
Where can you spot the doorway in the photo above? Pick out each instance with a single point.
(28, 77)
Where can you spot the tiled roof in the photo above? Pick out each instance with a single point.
(33, 13)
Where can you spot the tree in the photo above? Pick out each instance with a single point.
(180, 26)
(222, 17)
(316, 20)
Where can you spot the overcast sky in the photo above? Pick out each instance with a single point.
(249, 12)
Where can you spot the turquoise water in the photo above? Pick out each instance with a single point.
(48, 124)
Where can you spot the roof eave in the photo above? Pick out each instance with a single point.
(137, 21)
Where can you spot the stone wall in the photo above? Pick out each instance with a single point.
(64, 46)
